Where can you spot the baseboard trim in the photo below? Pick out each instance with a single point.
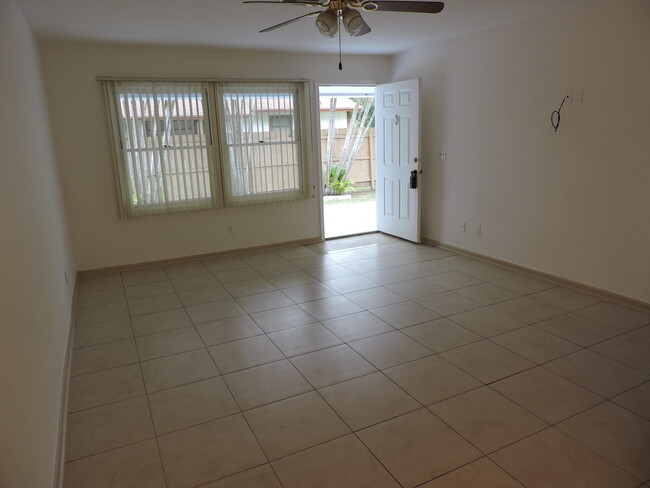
(229, 252)
(65, 388)
(605, 294)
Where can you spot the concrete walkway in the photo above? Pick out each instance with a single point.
(344, 219)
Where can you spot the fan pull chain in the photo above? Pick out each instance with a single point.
(340, 55)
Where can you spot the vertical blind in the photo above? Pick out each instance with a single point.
(261, 141)
(167, 162)
(164, 145)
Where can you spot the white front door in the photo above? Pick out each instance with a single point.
(397, 122)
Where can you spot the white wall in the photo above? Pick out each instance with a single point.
(575, 203)
(35, 303)
(99, 237)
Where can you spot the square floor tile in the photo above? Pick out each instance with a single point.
(329, 308)
(487, 361)
(185, 269)
(169, 342)
(249, 287)
(258, 386)
(160, 322)
(487, 419)
(244, 353)
(620, 318)
(101, 313)
(350, 284)
(264, 301)
(486, 293)
(404, 314)
(198, 296)
(143, 275)
(226, 277)
(103, 356)
(209, 451)
(366, 265)
(534, 344)
(368, 400)
(294, 424)
(91, 335)
(423, 270)
(452, 280)
(333, 365)
(559, 461)
(227, 330)
(522, 284)
(357, 326)
(388, 276)
(265, 257)
(417, 447)
(178, 369)
(415, 288)
(597, 373)
(307, 293)
(547, 395)
(390, 349)
(431, 379)
(483, 473)
(577, 329)
(621, 437)
(447, 303)
(107, 427)
(259, 477)
(375, 297)
(289, 280)
(327, 271)
(100, 282)
(134, 466)
(149, 290)
(224, 263)
(282, 318)
(158, 303)
(304, 339)
(275, 269)
(636, 400)
(186, 283)
(343, 462)
(208, 312)
(441, 335)
(108, 386)
(191, 404)
(632, 349)
(528, 310)
(486, 321)
(565, 298)
(102, 297)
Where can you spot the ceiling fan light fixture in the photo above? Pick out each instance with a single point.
(369, 6)
(352, 21)
(327, 23)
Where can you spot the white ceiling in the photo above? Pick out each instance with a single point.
(230, 24)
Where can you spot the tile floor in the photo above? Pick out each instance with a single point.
(359, 362)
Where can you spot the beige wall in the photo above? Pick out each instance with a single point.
(81, 138)
(575, 203)
(35, 303)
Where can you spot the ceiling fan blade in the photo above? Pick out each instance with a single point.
(293, 2)
(287, 22)
(365, 29)
(408, 6)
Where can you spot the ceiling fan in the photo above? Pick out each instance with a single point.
(346, 13)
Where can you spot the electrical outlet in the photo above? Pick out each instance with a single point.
(463, 227)
(478, 231)
(443, 154)
(230, 229)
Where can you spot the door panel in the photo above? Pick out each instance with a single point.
(398, 206)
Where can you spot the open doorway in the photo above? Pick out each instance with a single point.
(347, 134)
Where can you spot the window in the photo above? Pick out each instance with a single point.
(170, 156)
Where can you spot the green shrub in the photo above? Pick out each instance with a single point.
(338, 182)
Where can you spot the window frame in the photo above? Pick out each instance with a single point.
(215, 136)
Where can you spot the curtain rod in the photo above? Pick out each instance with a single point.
(236, 80)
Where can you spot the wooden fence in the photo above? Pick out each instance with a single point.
(362, 172)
